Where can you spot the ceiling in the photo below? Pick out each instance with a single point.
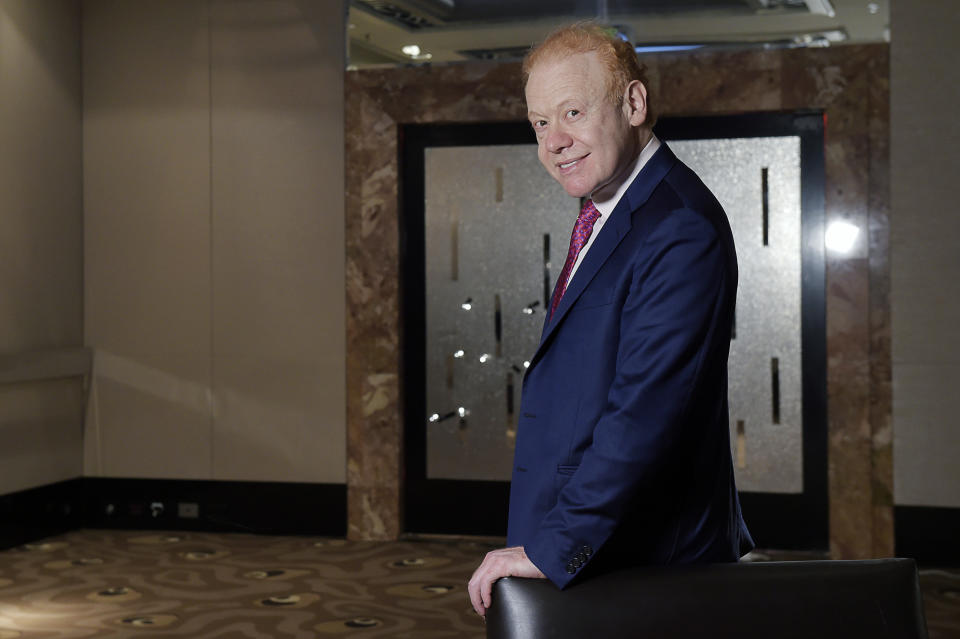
(459, 30)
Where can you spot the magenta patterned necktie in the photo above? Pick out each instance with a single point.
(581, 233)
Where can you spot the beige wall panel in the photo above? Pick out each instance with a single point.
(926, 280)
(278, 240)
(927, 447)
(925, 260)
(40, 178)
(147, 232)
(41, 237)
(42, 432)
(269, 421)
(138, 432)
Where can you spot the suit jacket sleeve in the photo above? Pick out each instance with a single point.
(668, 324)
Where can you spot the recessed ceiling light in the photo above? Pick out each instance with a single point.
(414, 51)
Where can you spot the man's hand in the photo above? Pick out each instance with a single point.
(503, 562)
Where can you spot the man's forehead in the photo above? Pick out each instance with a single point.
(552, 63)
(552, 77)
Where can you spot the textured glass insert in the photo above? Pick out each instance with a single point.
(497, 229)
(758, 182)
(496, 212)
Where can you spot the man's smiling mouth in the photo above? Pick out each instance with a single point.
(570, 164)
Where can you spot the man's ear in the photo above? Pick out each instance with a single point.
(635, 103)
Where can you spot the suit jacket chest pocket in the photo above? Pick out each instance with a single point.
(593, 297)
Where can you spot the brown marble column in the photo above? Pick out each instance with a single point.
(374, 436)
(851, 85)
(378, 104)
(881, 376)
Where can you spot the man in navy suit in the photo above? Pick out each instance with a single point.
(623, 447)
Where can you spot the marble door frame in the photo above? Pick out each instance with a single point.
(849, 83)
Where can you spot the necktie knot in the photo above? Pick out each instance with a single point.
(578, 239)
(588, 214)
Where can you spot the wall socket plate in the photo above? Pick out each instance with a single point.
(188, 510)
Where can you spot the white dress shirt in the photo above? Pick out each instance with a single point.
(606, 207)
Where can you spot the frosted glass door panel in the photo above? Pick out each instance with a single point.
(497, 229)
(765, 368)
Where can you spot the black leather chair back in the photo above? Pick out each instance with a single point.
(761, 600)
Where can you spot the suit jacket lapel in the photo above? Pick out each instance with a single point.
(609, 237)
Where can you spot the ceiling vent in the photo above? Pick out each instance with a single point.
(411, 14)
(502, 54)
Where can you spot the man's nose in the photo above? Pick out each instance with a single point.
(558, 140)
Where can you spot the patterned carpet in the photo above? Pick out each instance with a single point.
(118, 584)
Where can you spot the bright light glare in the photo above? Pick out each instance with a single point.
(434, 417)
(526, 364)
(411, 50)
(463, 412)
(484, 358)
(840, 236)
(458, 354)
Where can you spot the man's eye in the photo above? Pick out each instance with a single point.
(573, 113)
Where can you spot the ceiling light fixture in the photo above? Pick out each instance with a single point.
(415, 52)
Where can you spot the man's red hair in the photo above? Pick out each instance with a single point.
(615, 53)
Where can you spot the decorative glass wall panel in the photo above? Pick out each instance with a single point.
(757, 180)
(497, 228)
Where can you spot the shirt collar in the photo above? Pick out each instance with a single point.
(607, 206)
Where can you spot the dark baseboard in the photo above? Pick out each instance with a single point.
(29, 515)
(276, 508)
(929, 534)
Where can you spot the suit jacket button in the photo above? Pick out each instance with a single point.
(587, 550)
(582, 557)
(571, 568)
(575, 562)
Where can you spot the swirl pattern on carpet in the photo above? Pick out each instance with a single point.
(96, 583)
(123, 584)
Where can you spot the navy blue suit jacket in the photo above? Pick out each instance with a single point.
(623, 448)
